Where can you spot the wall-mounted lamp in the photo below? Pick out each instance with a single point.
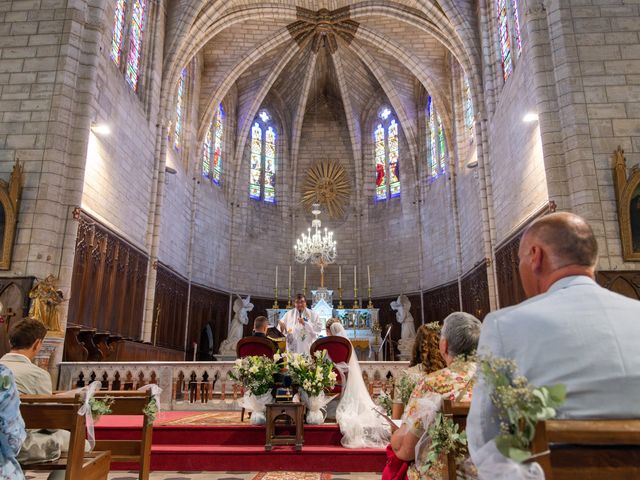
(472, 164)
(100, 128)
(530, 117)
(170, 170)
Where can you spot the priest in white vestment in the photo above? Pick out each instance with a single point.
(301, 326)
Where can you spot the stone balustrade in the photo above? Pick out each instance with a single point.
(194, 385)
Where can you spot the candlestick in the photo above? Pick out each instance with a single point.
(339, 276)
(289, 279)
(370, 304)
(304, 285)
(355, 279)
(340, 305)
(275, 299)
(356, 304)
(289, 305)
(276, 287)
(368, 278)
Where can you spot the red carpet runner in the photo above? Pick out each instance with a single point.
(240, 448)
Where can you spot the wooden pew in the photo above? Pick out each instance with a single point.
(458, 412)
(50, 412)
(594, 449)
(139, 451)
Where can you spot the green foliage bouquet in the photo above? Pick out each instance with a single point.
(445, 438)
(314, 374)
(255, 373)
(406, 385)
(520, 405)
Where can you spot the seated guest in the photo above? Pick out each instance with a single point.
(260, 328)
(570, 331)
(26, 337)
(458, 340)
(12, 432)
(426, 357)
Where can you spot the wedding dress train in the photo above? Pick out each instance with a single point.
(356, 415)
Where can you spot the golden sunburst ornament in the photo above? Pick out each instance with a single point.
(327, 184)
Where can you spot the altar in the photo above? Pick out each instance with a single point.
(361, 324)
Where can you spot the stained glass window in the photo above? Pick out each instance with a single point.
(262, 177)
(516, 25)
(394, 165)
(504, 38)
(270, 166)
(179, 108)
(118, 31)
(387, 157)
(437, 145)
(468, 106)
(381, 178)
(135, 43)
(206, 152)
(255, 175)
(216, 173)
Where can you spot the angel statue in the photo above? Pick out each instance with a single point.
(45, 298)
(240, 318)
(402, 307)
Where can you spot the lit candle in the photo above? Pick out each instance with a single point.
(339, 276)
(355, 279)
(368, 277)
(276, 277)
(289, 277)
(304, 285)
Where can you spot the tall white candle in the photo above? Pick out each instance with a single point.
(368, 277)
(276, 277)
(289, 277)
(304, 283)
(355, 278)
(339, 276)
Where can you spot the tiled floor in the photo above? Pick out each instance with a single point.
(209, 476)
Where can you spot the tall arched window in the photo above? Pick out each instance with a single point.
(387, 155)
(180, 110)
(436, 142)
(127, 43)
(508, 30)
(262, 176)
(212, 150)
(467, 105)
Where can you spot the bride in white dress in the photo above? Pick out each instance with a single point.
(360, 425)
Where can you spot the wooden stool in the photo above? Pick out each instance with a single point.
(276, 413)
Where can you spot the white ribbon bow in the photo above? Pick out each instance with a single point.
(155, 392)
(85, 410)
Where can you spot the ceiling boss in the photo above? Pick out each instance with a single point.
(328, 185)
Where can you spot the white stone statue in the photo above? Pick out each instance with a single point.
(240, 318)
(402, 307)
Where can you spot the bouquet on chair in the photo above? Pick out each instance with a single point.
(256, 375)
(315, 376)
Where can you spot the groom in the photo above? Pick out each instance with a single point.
(301, 326)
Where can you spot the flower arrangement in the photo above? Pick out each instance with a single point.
(100, 406)
(255, 373)
(314, 374)
(520, 405)
(385, 401)
(445, 439)
(406, 385)
(151, 410)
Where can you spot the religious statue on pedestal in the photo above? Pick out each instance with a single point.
(240, 318)
(402, 306)
(45, 298)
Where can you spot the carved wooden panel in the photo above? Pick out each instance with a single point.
(170, 309)
(108, 282)
(623, 282)
(130, 351)
(440, 302)
(510, 290)
(475, 291)
(206, 306)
